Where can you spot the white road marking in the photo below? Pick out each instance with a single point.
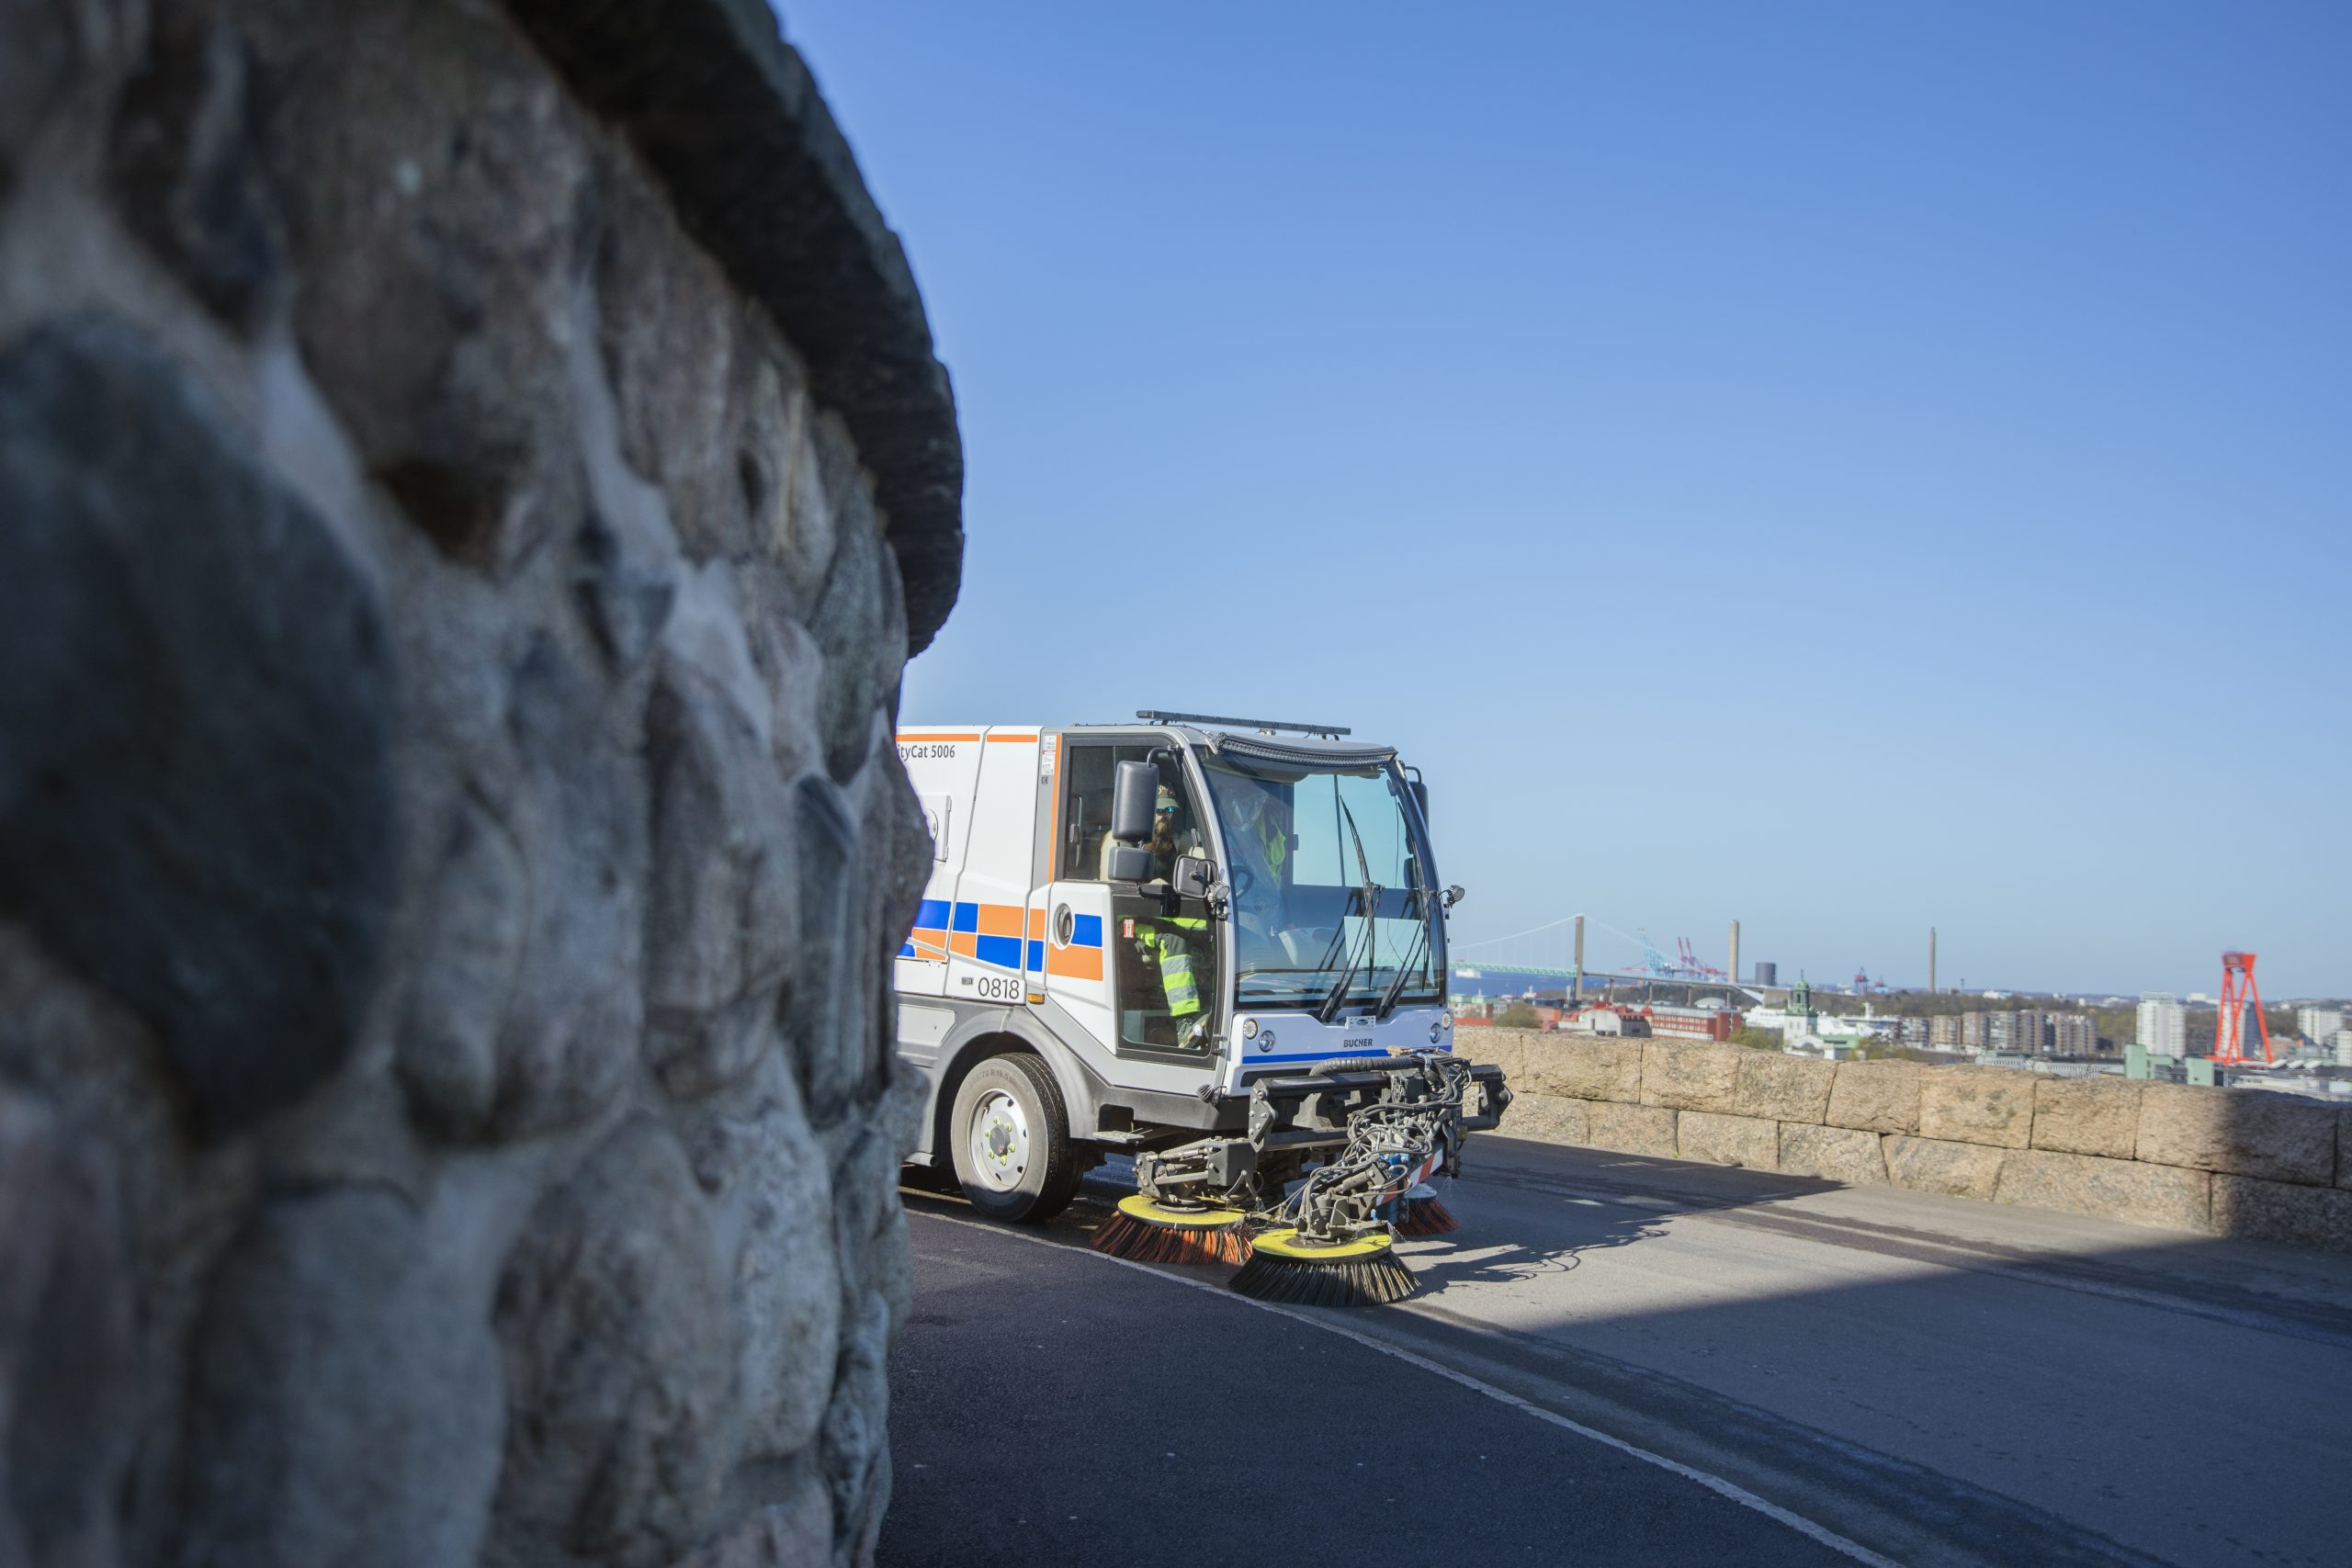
(1716, 1483)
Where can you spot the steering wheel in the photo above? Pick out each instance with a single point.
(1244, 879)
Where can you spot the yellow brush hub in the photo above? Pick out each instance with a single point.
(1285, 1243)
(1138, 1207)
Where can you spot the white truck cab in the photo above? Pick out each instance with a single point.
(1203, 941)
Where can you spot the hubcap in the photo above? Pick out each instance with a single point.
(999, 1141)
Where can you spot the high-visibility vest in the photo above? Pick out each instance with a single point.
(1273, 847)
(1274, 844)
(1169, 951)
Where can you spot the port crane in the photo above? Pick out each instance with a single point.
(1696, 967)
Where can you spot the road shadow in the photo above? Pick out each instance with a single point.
(1948, 1380)
(1610, 1201)
(1047, 1406)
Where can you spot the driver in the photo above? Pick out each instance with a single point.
(1168, 840)
(1260, 847)
(1257, 835)
(1164, 944)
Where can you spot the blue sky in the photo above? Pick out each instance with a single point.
(1850, 467)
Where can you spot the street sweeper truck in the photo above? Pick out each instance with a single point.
(1215, 945)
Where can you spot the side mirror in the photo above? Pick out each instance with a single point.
(1132, 794)
(1420, 799)
(1128, 863)
(1193, 877)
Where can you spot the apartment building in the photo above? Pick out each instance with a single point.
(2164, 1028)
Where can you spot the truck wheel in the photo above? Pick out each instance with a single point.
(1009, 1136)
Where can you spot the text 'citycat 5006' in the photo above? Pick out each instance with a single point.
(1218, 945)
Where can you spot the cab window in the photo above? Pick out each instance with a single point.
(1089, 771)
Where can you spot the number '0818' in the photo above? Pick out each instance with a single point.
(996, 989)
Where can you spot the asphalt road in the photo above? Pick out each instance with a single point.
(1619, 1359)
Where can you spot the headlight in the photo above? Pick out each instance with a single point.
(1266, 1041)
(1249, 1029)
(1436, 1029)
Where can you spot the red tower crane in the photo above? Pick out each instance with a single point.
(2238, 993)
(1696, 966)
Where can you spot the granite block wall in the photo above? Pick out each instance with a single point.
(2220, 1161)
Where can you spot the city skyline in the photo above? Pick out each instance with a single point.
(1839, 983)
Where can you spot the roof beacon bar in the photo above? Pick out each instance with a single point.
(1262, 726)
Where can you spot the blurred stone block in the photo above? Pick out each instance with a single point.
(1550, 1118)
(1977, 1105)
(69, 1391)
(2280, 1211)
(1632, 1128)
(1875, 1097)
(1833, 1154)
(1785, 1087)
(1586, 1070)
(1748, 1141)
(1932, 1165)
(2242, 1131)
(172, 613)
(2105, 1189)
(1505, 1048)
(1690, 1075)
(2087, 1116)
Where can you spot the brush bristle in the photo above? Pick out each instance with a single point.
(1342, 1283)
(1427, 1216)
(1138, 1241)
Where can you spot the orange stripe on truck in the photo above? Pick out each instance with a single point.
(1075, 963)
(1000, 919)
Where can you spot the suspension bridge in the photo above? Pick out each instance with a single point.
(1553, 951)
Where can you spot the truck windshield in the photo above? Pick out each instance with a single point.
(1329, 875)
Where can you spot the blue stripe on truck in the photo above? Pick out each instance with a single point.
(1086, 930)
(1251, 1059)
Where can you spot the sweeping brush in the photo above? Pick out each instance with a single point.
(1145, 1232)
(1425, 1216)
(1363, 1272)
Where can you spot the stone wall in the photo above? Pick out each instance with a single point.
(2221, 1161)
(470, 477)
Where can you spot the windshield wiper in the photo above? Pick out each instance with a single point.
(1420, 942)
(1329, 1006)
(1368, 900)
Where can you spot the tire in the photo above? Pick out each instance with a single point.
(1009, 1135)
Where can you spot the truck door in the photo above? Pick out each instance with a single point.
(1143, 978)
